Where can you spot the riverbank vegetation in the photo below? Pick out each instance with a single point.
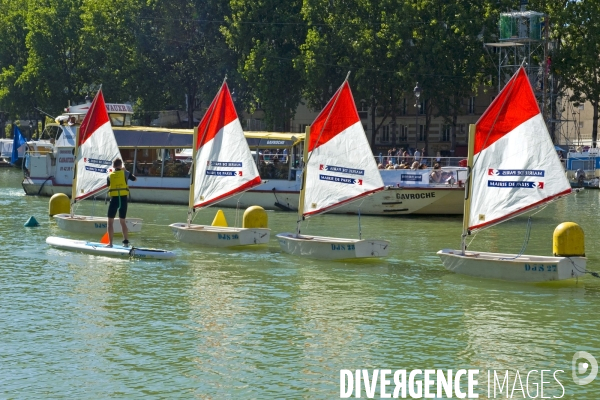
(173, 55)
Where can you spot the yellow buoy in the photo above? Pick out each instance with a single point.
(59, 204)
(220, 219)
(255, 217)
(568, 240)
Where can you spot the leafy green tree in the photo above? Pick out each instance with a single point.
(448, 56)
(368, 38)
(576, 60)
(59, 66)
(181, 54)
(109, 28)
(266, 36)
(13, 57)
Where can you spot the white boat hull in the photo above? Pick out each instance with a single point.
(440, 199)
(525, 268)
(330, 248)
(94, 225)
(217, 236)
(100, 249)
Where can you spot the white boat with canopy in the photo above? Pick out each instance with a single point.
(95, 150)
(339, 169)
(514, 169)
(222, 167)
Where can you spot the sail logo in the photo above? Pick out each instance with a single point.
(340, 179)
(516, 184)
(95, 169)
(411, 178)
(226, 164)
(341, 170)
(96, 161)
(212, 172)
(515, 172)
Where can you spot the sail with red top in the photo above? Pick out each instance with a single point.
(515, 167)
(96, 149)
(223, 163)
(341, 167)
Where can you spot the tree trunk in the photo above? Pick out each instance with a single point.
(428, 112)
(453, 135)
(190, 110)
(373, 125)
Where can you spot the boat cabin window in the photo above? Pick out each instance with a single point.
(274, 163)
(120, 119)
(155, 162)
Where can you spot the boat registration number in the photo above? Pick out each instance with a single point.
(100, 225)
(540, 267)
(228, 237)
(342, 247)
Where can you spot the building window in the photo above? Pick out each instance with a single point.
(446, 133)
(422, 107)
(472, 105)
(404, 106)
(403, 133)
(421, 132)
(385, 134)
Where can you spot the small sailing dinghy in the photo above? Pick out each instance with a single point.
(339, 169)
(222, 167)
(95, 150)
(100, 249)
(514, 169)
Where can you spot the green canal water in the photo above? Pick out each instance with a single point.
(221, 324)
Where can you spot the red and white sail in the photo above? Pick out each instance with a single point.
(223, 165)
(515, 167)
(96, 150)
(341, 167)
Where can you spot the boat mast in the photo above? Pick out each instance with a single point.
(192, 176)
(303, 184)
(306, 158)
(195, 152)
(74, 183)
(469, 188)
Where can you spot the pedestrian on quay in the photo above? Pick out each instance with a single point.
(417, 156)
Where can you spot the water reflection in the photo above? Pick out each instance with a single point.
(260, 323)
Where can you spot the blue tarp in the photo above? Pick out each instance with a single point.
(19, 141)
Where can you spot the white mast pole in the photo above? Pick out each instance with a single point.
(469, 188)
(303, 184)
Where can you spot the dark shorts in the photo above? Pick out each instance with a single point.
(114, 206)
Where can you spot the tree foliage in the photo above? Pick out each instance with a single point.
(578, 27)
(266, 36)
(160, 55)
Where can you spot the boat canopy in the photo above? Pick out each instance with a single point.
(158, 138)
(165, 138)
(272, 140)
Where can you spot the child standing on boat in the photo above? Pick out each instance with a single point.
(118, 192)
